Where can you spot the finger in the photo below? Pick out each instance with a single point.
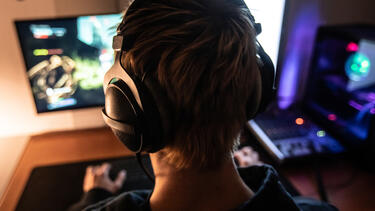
(121, 176)
(105, 168)
(250, 148)
(101, 169)
(246, 163)
(95, 169)
(240, 160)
(89, 172)
(247, 150)
(238, 156)
(89, 169)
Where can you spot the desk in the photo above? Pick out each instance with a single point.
(57, 148)
(93, 144)
(348, 187)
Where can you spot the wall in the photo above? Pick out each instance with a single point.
(10, 150)
(17, 113)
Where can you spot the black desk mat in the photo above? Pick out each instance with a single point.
(55, 188)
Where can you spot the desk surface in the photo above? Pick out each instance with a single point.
(348, 188)
(57, 148)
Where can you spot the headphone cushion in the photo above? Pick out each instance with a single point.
(267, 72)
(120, 107)
(268, 91)
(132, 142)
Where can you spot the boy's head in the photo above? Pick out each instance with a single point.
(202, 54)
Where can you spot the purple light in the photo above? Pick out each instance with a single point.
(297, 50)
(288, 82)
(371, 97)
(372, 111)
(355, 105)
(352, 47)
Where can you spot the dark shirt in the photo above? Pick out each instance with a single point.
(269, 194)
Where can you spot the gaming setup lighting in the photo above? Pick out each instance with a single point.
(341, 86)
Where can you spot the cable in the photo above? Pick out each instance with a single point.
(147, 172)
(319, 182)
(318, 175)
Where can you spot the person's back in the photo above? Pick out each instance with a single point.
(196, 61)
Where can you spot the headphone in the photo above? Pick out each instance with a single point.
(137, 109)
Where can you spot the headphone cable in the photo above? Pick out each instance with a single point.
(318, 175)
(147, 172)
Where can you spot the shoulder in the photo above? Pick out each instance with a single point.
(269, 193)
(257, 176)
(133, 200)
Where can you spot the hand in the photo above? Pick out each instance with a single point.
(246, 157)
(98, 177)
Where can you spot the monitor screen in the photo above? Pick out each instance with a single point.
(66, 59)
(341, 90)
(271, 16)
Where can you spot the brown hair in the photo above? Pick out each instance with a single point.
(202, 52)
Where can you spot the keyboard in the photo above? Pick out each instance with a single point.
(289, 135)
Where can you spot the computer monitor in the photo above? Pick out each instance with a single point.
(271, 15)
(341, 86)
(66, 59)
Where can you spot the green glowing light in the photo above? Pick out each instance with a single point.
(40, 52)
(354, 67)
(357, 67)
(321, 133)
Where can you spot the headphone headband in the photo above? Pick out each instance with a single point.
(117, 43)
(117, 71)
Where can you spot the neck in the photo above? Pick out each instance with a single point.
(192, 189)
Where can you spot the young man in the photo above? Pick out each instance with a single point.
(202, 53)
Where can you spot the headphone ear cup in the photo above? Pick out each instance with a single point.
(121, 113)
(268, 90)
(253, 102)
(267, 73)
